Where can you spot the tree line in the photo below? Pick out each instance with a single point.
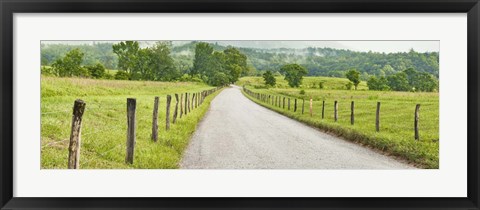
(407, 80)
(155, 63)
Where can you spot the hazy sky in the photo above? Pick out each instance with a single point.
(365, 46)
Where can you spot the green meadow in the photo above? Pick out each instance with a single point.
(104, 125)
(396, 135)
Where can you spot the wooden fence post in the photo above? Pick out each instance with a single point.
(288, 103)
(131, 130)
(186, 103)
(193, 101)
(303, 105)
(196, 100)
(417, 117)
(175, 113)
(75, 135)
(377, 119)
(323, 109)
(295, 106)
(335, 111)
(155, 120)
(167, 115)
(311, 106)
(284, 102)
(352, 113)
(181, 105)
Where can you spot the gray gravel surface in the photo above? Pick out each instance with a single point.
(237, 133)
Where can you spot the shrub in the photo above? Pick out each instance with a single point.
(349, 85)
(70, 65)
(320, 85)
(269, 78)
(302, 92)
(96, 71)
(47, 71)
(122, 75)
(108, 76)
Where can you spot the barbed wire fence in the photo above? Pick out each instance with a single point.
(183, 105)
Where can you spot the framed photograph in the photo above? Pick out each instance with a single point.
(239, 105)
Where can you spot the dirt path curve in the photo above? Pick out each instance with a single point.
(237, 133)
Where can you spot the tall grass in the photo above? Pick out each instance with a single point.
(396, 136)
(103, 141)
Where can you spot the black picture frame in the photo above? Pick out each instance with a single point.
(10, 7)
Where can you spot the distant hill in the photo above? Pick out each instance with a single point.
(328, 61)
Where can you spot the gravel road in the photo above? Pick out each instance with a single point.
(237, 133)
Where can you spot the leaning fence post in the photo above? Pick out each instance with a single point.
(181, 105)
(175, 113)
(167, 115)
(417, 117)
(131, 107)
(335, 111)
(155, 120)
(352, 113)
(377, 119)
(75, 135)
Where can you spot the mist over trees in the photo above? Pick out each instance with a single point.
(215, 64)
(96, 53)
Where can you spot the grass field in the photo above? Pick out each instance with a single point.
(396, 136)
(103, 141)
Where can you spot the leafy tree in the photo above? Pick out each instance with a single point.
(217, 74)
(161, 62)
(70, 65)
(127, 53)
(218, 78)
(236, 63)
(214, 66)
(421, 81)
(375, 83)
(426, 82)
(294, 74)
(354, 76)
(269, 78)
(398, 82)
(96, 71)
(203, 59)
